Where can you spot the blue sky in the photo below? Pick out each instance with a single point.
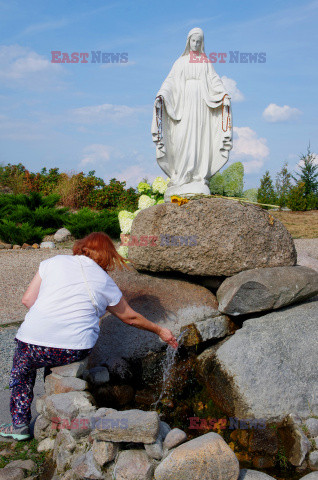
(90, 116)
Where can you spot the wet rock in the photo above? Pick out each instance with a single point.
(243, 237)
(264, 369)
(266, 289)
(207, 457)
(113, 395)
(133, 465)
(98, 376)
(172, 303)
(295, 441)
(119, 370)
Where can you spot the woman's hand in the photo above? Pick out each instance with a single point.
(167, 336)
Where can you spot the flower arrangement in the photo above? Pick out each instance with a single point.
(150, 195)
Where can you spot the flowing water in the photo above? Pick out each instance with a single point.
(167, 366)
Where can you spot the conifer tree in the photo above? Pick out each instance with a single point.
(266, 192)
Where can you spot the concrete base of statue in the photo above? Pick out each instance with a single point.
(186, 190)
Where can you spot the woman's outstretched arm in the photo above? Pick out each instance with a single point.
(127, 315)
(31, 293)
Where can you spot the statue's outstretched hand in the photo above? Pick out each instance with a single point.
(167, 336)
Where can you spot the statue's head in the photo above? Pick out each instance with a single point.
(195, 41)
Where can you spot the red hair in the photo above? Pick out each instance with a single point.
(99, 247)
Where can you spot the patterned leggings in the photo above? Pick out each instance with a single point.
(27, 358)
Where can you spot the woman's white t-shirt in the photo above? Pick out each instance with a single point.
(63, 315)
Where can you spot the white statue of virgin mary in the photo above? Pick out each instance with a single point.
(192, 125)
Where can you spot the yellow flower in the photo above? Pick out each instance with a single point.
(178, 200)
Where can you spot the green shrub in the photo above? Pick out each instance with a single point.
(85, 221)
(28, 218)
(217, 184)
(251, 194)
(296, 199)
(11, 232)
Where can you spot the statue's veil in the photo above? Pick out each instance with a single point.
(187, 48)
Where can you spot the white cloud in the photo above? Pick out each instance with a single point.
(275, 113)
(231, 87)
(250, 148)
(106, 111)
(95, 154)
(24, 67)
(133, 174)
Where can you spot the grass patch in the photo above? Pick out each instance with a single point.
(299, 224)
(24, 450)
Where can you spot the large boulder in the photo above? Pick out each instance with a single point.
(224, 237)
(268, 368)
(207, 457)
(172, 303)
(266, 289)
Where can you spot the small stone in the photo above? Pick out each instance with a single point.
(104, 452)
(46, 444)
(316, 441)
(6, 453)
(62, 235)
(246, 474)
(133, 465)
(63, 406)
(174, 438)
(23, 464)
(47, 245)
(56, 384)
(16, 247)
(311, 476)
(11, 473)
(74, 369)
(26, 246)
(155, 450)
(312, 426)
(7, 246)
(313, 460)
(85, 466)
(164, 429)
(35, 245)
